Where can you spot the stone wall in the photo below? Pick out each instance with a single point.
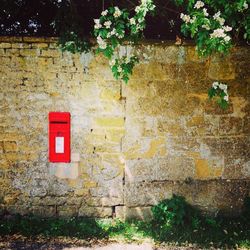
(132, 145)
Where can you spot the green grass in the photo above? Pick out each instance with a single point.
(175, 222)
(229, 233)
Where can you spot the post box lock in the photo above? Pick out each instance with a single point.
(59, 137)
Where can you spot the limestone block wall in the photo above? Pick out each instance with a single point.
(132, 145)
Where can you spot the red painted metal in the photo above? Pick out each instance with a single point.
(59, 137)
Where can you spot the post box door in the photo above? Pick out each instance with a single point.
(59, 137)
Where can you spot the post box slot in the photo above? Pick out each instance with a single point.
(54, 122)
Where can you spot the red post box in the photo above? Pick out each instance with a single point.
(59, 137)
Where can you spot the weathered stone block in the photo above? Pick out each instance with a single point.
(10, 146)
(51, 53)
(167, 168)
(102, 212)
(231, 125)
(103, 201)
(30, 52)
(39, 45)
(110, 191)
(110, 121)
(140, 170)
(175, 168)
(65, 170)
(209, 169)
(43, 211)
(139, 213)
(146, 148)
(67, 211)
(110, 94)
(1, 147)
(114, 135)
(21, 45)
(120, 212)
(146, 193)
(5, 45)
(221, 68)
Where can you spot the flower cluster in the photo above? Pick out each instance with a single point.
(138, 21)
(210, 30)
(185, 18)
(245, 5)
(242, 6)
(217, 17)
(198, 5)
(109, 29)
(113, 28)
(219, 90)
(221, 33)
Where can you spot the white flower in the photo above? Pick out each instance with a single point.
(119, 69)
(97, 24)
(112, 62)
(226, 98)
(117, 12)
(218, 33)
(198, 5)
(221, 20)
(97, 21)
(137, 9)
(185, 18)
(227, 38)
(215, 85)
(206, 26)
(102, 44)
(107, 24)
(205, 12)
(216, 15)
(113, 32)
(132, 21)
(227, 28)
(218, 18)
(245, 5)
(120, 36)
(104, 13)
(223, 86)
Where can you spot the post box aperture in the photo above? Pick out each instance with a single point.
(59, 137)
